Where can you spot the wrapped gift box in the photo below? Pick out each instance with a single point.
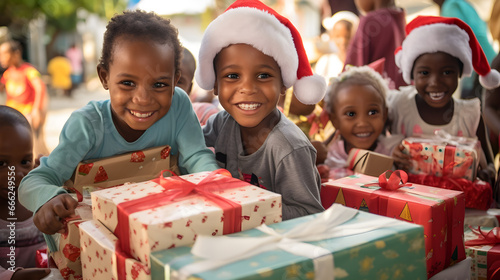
(368, 162)
(157, 219)
(67, 257)
(439, 211)
(102, 258)
(485, 255)
(457, 157)
(352, 249)
(136, 166)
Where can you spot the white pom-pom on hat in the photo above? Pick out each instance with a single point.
(253, 23)
(430, 34)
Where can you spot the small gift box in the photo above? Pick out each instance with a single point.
(102, 257)
(368, 162)
(443, 155)
(67, 257)
(439, 211)
(340, 243)
(171, 212)
(483, 246)
(136, 166)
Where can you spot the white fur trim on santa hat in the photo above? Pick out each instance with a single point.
(490, 80)
(245, 25)
(447, 38)
(308, 85)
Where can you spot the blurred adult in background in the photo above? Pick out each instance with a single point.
(340, 28)
(59, 68)
(75, 56)
(464, 10)
(25, 90)
(491, 110)
(494, 23)
(380, 31)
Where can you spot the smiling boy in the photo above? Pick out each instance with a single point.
(248, 56)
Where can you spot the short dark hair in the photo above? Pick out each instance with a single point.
(140, 25)
(11, 117)
(14, 46)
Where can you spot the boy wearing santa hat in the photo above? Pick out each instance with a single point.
(435, 54)
(250, 55)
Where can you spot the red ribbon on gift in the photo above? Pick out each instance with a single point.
(177, 188)
(491, 237)
(397, 179)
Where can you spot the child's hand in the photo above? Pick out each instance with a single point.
(30, 274)
(321, 151)
(401, 160)
(48, 218)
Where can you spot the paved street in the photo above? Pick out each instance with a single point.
(60, 108)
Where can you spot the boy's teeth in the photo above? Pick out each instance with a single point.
(139, 115)
(248, 106)
(436, 95)
(363, 134)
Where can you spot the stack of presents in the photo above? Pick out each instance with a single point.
(378, 224)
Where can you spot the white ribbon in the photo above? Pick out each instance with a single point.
(453, 140)
(219, 251)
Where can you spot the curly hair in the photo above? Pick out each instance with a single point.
(140, 25)
(362, 76)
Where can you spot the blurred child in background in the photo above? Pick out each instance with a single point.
(203, 110)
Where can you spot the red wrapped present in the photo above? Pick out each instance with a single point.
(439, 211)
(483, 246)
(443, 155)
(170, 212)
(478, 194)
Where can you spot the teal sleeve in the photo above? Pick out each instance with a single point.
(194, 156)
(467, 13)
(46, 181)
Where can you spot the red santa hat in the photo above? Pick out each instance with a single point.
(253, 23)
(430, 34)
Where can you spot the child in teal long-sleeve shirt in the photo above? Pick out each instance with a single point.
(140, 68)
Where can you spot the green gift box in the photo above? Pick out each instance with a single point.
(340, 242)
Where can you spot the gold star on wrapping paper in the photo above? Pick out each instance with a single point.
(354, 252)
(366, 264)
(293, 270)
(310, 275)
(380, 244)
(390, 254)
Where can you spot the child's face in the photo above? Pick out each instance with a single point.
(6, 55)
(186, 79)
(141, 82)
(436, 77)
(359, 115)
(341, 35)
(16, 156)
(248, 83)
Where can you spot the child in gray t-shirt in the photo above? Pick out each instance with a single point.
(250, 55)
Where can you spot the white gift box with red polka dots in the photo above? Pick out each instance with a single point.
(99, 256)
(178, 222)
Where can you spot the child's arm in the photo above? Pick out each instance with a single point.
(486, 171)
(298, 181)
(194, 155)
(44, 183)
